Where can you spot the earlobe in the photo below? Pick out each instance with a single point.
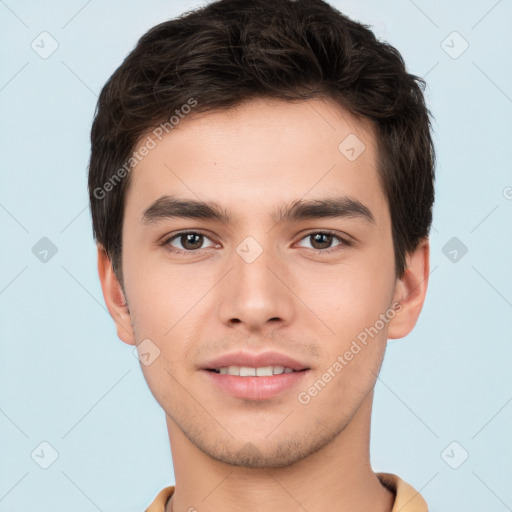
(410, 291)
(114, 298)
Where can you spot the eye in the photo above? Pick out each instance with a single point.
(189, 240)
(321, 241)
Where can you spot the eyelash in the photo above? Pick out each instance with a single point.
(344, 242)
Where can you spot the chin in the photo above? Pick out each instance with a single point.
(268, 456)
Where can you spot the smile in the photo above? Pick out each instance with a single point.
(248, 371)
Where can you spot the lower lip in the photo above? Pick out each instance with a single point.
(256, 388)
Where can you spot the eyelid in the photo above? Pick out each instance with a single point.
(345, 240)
(168, 239)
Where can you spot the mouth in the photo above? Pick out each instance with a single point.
(249, 371)
(250, 364)
(254, 376)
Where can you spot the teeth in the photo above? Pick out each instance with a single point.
(247, 371)
(264, 371)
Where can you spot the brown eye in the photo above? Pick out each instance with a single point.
(322, 241)
(191, 241)
(187, 242)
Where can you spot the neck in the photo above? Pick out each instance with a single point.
(339, 473)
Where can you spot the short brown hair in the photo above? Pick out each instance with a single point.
(235, 50)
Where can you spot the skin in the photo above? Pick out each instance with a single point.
(235, 454)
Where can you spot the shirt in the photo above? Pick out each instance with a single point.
(407, 499)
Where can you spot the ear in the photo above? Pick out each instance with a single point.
(410, 291)
(114, 298)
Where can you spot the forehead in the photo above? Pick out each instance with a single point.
(258, 155)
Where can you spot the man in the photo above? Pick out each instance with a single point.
(261, 187)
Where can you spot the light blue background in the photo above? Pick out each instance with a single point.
(67, 379)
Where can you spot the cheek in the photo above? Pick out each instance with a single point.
(348, 298)
(163, 296)
(165, 306)
(351, 306)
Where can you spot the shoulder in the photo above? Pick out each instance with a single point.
(407, 498)
(158, 504)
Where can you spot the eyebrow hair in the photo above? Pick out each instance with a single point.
(167, 207)
(325, 208)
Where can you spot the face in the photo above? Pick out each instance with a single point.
(293, 266)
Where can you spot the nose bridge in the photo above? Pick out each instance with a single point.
(254, 260)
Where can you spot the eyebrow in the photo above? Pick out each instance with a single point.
(169, 207)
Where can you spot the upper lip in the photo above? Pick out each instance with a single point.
(254, 360)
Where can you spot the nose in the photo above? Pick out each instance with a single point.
(258, 290)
